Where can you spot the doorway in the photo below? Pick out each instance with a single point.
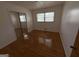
(19, 21)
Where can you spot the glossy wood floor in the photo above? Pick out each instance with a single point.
(32, 47)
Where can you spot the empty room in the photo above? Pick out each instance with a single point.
(39, 28)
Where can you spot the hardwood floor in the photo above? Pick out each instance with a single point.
(32, 47)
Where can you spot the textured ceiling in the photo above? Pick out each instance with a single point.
(35, 4)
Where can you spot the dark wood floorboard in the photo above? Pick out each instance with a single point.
(32, 48)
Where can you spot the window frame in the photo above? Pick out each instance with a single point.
(44, 17)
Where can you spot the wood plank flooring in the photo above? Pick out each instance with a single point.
(32, 48)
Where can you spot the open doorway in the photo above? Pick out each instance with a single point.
(19, 22)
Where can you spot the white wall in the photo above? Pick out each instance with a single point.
(23, 10)
(15, 19)
(29, 21)
(7, 33)
(69, 25)
(53, 26)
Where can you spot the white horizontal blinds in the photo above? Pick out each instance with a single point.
(22, 18)
(45, 17)
(40, 17)
(49, 16)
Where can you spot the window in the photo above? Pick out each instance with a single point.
(22, 18)
(49, 17)
(45, 17)
(40, 17)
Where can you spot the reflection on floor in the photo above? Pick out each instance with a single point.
(40, 43)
